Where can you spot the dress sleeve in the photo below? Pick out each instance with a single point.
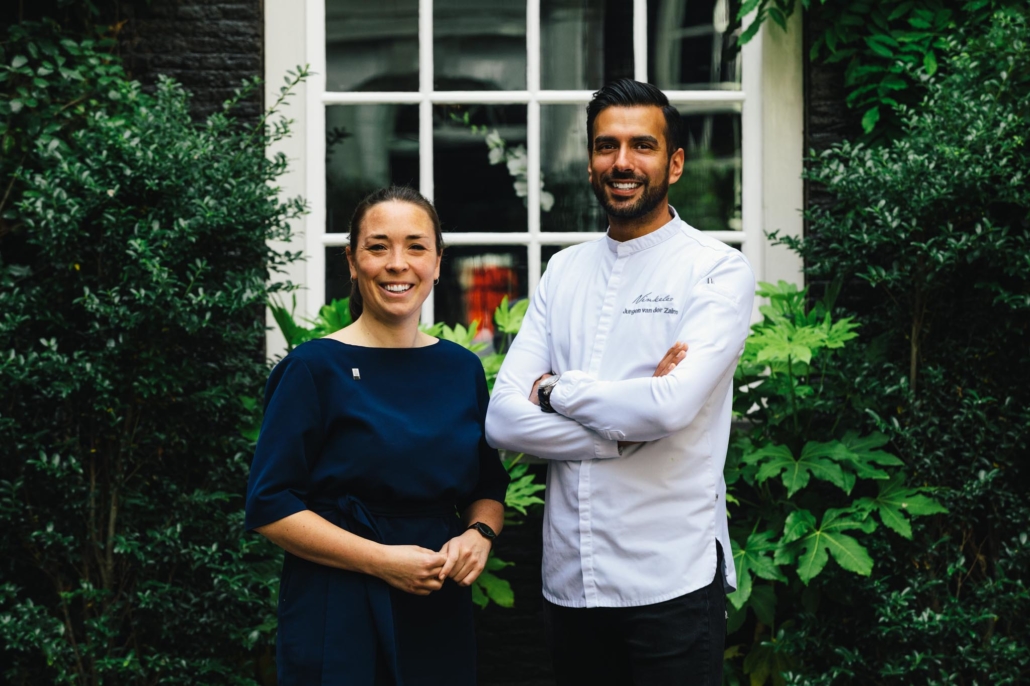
(493, 477)
(288, 447)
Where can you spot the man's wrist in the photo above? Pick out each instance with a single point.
(543, 392)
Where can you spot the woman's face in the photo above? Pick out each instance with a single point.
(395, 261)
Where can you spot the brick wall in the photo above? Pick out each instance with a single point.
(207, 46)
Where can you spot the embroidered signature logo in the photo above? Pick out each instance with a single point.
(648, 298)
(654, 305)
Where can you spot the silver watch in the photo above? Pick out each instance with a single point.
(543, 392)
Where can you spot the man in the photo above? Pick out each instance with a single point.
(635, 432)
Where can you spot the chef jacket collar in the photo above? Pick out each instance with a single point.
(646, 241)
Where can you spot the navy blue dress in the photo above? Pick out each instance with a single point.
(387, 443)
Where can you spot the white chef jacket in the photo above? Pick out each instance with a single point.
(638, 528)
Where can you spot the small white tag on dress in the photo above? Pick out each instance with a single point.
(356, 373)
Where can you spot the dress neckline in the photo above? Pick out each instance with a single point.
(370, 347)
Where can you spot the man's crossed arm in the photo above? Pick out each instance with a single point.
(593, 416)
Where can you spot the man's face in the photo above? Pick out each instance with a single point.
(630, 167)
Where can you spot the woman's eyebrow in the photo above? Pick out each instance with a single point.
(410, 237)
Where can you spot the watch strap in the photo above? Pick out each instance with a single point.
(483, 529)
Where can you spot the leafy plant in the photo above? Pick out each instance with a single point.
(804, 487)
(890, 46)
(930, 231)
(135, 265)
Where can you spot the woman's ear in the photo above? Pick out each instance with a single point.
(350, 263)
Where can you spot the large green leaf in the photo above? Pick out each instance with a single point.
(894, 501)
(781, 341)
(812, 547)
(522, 489)
(509, 319)
(489, 587)
(796, 472)
(862, 453)
(754, 559)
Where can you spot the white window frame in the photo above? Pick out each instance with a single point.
(770, 161)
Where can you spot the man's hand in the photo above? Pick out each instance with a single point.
(673, 357)
(466, 557)
(533, 397)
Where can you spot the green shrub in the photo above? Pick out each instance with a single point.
(806, 483)
(133, 280)
(931, 232)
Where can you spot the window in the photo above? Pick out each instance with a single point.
(480, 104)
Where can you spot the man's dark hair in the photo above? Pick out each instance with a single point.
(630, 93)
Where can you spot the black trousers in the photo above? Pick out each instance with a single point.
(678, 642)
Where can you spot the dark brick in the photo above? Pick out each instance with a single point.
(209, 47)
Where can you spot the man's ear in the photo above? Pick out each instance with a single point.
(676, 165)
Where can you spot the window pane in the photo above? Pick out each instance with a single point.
(692, 44)
(367, 147)
(585, 44)
(707, 196)
(479, 167)
(371, 46)
(474, 279)
(479, 45)
(337, 274)
(567, 203)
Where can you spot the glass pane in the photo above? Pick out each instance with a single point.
(585, 44)
(707, 196)
(479, 45)
(692, 44)
(367, 147)
(566, 203)
(474, 279)
(337, 275)
(479, 167)
(371, 46)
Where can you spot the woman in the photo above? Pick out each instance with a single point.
(372, 442)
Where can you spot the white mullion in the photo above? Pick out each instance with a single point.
(543, 238)
(425, 118)
(751, 156)
(533, 161)
(714, 97)
(314, 225)
(640, 40)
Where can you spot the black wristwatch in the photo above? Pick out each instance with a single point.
(543, 392)
(482, 528)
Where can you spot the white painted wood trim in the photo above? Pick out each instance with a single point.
(314, 134)
(542, 238)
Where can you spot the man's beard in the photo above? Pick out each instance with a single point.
(650, 198)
